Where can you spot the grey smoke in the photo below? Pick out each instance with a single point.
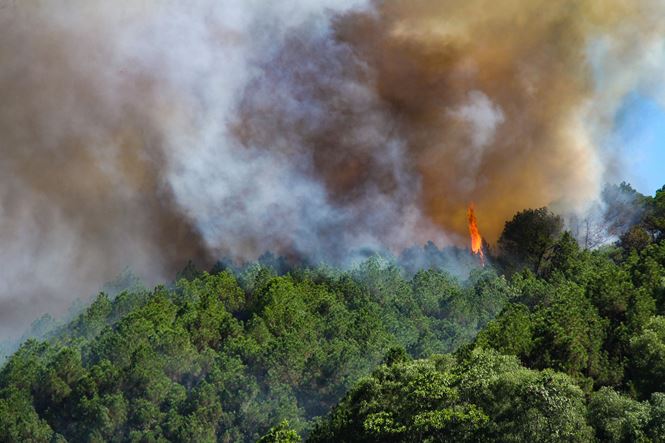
(143, 134)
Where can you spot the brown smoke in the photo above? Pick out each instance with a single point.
(82, 192)
(144, 134)
(488, 96)
(494, 102)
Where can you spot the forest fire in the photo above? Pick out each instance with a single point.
(476, 238)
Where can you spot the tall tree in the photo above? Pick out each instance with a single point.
(527, 238)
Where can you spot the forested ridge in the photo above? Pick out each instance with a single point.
(551, 341)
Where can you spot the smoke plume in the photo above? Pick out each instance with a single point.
(146, 133)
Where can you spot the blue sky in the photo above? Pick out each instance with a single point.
(640, 131)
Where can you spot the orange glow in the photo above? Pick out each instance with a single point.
(476, 239)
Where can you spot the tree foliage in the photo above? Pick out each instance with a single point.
(557, 343)
(527, 238)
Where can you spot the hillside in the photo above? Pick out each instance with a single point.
(231, 355)
(548, 342)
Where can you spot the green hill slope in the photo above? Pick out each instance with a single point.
(570, 346)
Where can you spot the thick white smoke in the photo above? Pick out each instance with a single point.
(115, 144)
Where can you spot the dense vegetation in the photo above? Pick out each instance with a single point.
(563, 343)
(231, 355)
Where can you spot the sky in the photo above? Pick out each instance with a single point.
(640, 129)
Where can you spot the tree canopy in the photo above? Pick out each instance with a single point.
(551, 343)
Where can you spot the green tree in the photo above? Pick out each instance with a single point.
(523, 405)
(19, 421)
(655, 218)
(527, 238)
(281, 433)
(647, 358)
(406, 401)
(617, 418)
(511, 333)
(635, 239)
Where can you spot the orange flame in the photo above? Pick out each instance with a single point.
(476, 239)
